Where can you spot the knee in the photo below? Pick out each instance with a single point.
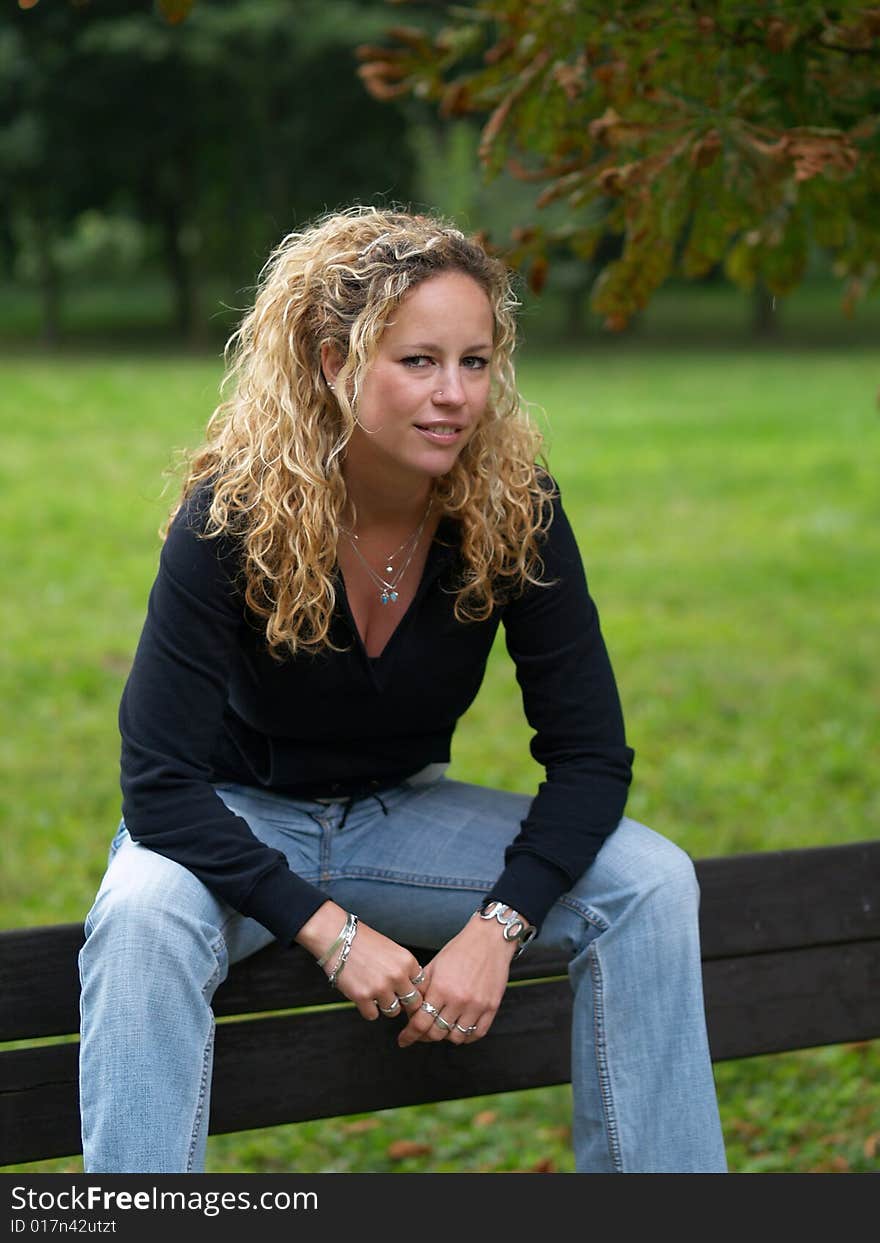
(650, 873)
(672, 876)
(142, 931)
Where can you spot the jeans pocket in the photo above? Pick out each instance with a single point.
(118, 838)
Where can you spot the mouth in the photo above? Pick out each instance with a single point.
(440, 433)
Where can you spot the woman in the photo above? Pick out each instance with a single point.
(365, 510)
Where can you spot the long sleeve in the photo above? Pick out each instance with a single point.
(571, 701)
(170, 717)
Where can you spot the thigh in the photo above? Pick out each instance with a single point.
(421, 871)
(637, 872)
(138, 878)
(143, 889)
(418, 872)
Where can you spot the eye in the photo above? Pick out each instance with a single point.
(474, 362)
(416, 361)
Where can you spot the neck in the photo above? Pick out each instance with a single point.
(377, 504)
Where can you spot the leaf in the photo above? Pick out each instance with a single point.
(813, 154)
(359, 1126)
(570, 79)
(455, 100)
(376, 76)
(780, 36)
(400, 1149)
(499, 50)
(706, 149)
(615, 180)
(538, 274)
(485, 1117)
(174, 11)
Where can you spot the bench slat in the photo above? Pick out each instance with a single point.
(786, 899)
(795, 999)
(274, 1070)
(751, 904)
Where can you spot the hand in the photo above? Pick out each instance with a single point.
(378, 971)
(464, 982)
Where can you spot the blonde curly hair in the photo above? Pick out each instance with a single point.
(273, 452)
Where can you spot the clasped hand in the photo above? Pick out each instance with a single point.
(454, 997)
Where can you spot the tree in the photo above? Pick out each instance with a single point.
(733, 135)
(218, 133)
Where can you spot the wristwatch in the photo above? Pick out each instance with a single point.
(514, 926)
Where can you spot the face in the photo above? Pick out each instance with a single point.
(427, 388)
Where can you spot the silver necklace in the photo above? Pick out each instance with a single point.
(388, 586)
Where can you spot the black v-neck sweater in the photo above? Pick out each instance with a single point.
(205, 704)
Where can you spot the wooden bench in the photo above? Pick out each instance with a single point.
(791, 957)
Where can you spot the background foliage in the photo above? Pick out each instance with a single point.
(608, 148)
(679, 137)
(129, 143)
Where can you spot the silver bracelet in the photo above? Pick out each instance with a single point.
(335, 944)
(348, 939)
(513, 925)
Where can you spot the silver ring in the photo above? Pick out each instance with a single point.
(466, 1031)
(419, 979)
(441, 1022)
(426, 1006)
(406, 998)
(392, 1009)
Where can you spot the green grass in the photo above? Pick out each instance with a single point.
(727, 508)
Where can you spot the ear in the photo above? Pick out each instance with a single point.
(331, 362)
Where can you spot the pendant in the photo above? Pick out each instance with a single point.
(389, 596)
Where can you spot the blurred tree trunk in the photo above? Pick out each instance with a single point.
(180, 269)
(50, 282)
(7, 248)
(765, 313)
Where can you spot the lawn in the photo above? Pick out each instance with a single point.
(727, 507)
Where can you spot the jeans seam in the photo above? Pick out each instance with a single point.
(200, 1106)
(584, 912)
(407, 878)
(216, 947)
(602, 1060)
(324, 872)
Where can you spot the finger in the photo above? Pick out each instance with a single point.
(416, 1029)
(441, 1029)
(482, 1025)
(423, 1026)
(366, 1009)
(463, 1031)
(413, 980)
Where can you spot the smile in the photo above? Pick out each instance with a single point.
(440, 433)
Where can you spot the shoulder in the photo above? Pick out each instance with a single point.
(195, 553)
(556, 536)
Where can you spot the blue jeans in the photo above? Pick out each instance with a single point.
(158, 945)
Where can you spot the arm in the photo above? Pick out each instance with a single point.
(169, 718)
(570, 699)
(170, 715)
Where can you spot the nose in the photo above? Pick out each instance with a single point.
(450, 391)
